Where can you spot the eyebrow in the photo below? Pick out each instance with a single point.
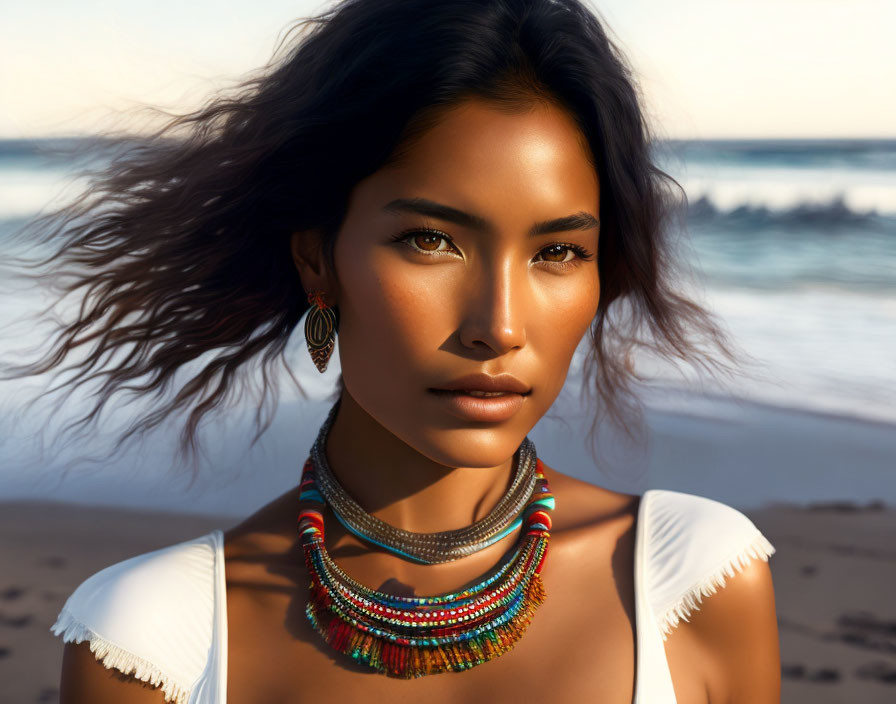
(424, 206)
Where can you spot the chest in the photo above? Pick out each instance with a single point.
(580, 646)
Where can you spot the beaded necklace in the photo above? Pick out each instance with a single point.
(426, 548)
(409, 637)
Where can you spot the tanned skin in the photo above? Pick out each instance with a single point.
(490, 299)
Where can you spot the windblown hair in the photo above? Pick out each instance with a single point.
(182, 240)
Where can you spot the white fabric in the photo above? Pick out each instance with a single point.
(162, 616)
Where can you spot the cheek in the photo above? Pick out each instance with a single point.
(559, 319)
(393, 319)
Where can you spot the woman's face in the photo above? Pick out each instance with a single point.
(442, 273)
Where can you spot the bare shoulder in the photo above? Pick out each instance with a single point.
(583, 504)
(86, 680)
(593, 535)
(262, 557)
(735, 636)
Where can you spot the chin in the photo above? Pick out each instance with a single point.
(456, 444)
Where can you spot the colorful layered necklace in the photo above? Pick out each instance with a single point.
(409, 637)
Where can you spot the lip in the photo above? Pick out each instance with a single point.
(475, 408)
(486, 382)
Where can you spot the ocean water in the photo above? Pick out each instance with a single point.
(794, 242)
(791, 243)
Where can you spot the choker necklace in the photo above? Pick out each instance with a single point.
(426, 548)
(409, 637)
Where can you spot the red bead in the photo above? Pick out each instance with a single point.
(540, 517)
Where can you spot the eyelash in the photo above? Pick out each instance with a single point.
(583, 254)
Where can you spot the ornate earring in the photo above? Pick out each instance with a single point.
(320, 330)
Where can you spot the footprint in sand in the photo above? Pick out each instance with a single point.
(793, 672)
(4, 652)
(53, 561)
(878, 670)
(865, 630)
(16, 621)
(48, 694)
(866, 621)
(12, 593)
(809, 570)
(824, 674)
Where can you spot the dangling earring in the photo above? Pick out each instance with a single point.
(320, 330)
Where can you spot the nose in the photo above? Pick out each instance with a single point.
(495, 312)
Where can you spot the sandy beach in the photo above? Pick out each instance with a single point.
(834, 573)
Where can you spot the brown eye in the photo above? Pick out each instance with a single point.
(428, 241)
(579, 255)
(558, 250)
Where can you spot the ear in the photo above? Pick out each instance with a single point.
(307, 253)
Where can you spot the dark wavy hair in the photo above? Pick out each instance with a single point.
(182, 240)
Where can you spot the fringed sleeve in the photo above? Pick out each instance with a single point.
(695, 545)
(150, 616)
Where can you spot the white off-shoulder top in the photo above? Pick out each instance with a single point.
(685, 547)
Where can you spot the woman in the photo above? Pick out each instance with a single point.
(458, 191)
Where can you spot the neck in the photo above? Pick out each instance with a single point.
(399, 485)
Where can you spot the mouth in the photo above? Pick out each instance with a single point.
(480, 406)
(476, 393)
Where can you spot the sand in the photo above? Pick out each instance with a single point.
(834, 573)
(46, 550)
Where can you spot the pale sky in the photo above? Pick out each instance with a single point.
(707, 68)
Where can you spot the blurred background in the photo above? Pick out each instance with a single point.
(778, 118)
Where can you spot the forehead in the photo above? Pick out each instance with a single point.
(490, 160)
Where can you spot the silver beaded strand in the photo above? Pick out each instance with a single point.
(427, 548)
